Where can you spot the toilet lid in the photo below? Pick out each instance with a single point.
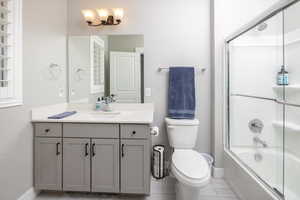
(190, 163)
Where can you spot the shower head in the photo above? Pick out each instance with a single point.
(262, 26)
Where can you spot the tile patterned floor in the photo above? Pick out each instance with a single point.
(218, 189)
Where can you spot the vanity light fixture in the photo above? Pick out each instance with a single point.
(103, 17)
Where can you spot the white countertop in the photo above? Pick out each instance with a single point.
(128, 113)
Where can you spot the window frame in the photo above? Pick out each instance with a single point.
(17, 57)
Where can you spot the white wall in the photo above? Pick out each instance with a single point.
(228, 16)
(44, 42)
(175, 32)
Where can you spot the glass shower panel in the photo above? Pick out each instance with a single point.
(255, 118)
(255, 59)
(292, 153)
(292, 99)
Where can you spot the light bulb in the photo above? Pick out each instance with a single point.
(118, 13)
(103, 14)
(89, 15)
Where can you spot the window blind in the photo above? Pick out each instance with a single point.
(6, 70)
(10, 53)
(97, 64)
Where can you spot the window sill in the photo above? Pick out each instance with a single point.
(12, 103)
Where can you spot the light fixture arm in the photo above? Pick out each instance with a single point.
(104, 23)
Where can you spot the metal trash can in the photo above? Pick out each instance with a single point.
(158, 156)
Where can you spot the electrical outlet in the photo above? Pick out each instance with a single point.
(61, 92)
(148, 92)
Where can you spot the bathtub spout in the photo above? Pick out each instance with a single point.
(257, 141)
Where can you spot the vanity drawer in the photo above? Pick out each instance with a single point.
(135, 131)
(48, 129)
(91, 130)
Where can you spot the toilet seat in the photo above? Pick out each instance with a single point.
(190, 167)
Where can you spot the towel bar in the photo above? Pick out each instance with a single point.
(202, 69)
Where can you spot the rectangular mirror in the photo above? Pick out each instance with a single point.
(102, 65)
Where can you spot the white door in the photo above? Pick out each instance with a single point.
(125, 76)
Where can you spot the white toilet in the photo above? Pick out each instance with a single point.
(189, 167)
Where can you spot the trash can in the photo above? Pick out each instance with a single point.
(158, 156)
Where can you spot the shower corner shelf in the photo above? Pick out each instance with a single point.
(288, 88)
(288, 126)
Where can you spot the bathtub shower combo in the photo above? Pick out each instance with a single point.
(263, 104)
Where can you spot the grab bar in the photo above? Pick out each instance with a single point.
(269, 99)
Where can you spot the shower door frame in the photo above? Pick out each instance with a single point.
(277, 8)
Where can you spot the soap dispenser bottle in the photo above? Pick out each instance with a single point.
(282, 77)
(98, 104)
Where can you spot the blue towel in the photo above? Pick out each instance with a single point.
(62, 115)
(181, 102)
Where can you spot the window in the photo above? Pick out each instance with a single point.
(97, 64)
(10, 53)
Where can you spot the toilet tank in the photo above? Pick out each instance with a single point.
(182, 133)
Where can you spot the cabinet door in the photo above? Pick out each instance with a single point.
(76, 166)
(135, 166)
(48, 163)
(105, 165)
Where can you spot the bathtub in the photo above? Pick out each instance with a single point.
(269, 167)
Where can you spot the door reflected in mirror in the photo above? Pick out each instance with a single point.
(103, 65)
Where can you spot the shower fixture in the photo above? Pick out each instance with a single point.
(257, 141)
(262, 26)
(256, 126)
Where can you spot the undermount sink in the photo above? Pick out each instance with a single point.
(105, 113)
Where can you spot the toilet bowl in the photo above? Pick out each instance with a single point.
(192, 172)
(189, 167)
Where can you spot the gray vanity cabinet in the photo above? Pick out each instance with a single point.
(110, 158)
(48, 163)
(135, 166)
(76, 164)
(105, 165)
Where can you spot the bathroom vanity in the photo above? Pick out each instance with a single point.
(92, 151)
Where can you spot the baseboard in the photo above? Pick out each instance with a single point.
(218, 172)
(30, 194)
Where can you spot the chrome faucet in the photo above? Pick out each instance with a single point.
(257, 140)
(109, 99)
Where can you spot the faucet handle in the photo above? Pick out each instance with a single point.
(112, 97)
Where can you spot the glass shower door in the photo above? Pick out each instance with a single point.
(292, 99)
(256, 120)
